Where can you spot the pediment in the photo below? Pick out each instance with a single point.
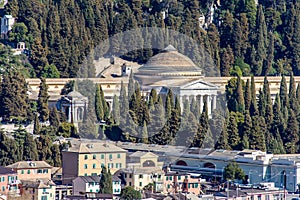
(198, 85)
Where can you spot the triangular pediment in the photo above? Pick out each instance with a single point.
(199, 85)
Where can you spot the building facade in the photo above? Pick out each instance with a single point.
(87, 158)
(9, 183)
(31, 170)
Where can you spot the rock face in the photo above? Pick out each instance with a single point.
(168, 64)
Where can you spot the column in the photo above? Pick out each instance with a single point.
(208, 105)
(214, 102)
(201, 102)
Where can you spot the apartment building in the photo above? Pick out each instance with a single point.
(85, 158)
(9, 183)
(31, 170)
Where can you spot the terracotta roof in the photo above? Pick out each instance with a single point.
(89, 179)
(40, 184)
(29, 165)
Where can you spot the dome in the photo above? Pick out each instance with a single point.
(168, 65)
(170, 62)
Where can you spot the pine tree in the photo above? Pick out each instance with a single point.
(42, 103)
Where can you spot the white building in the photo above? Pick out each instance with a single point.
(7, 23)
(84, 184)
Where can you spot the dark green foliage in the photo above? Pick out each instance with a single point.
(232, 131)
(233, 171)
(54, 117)
(291, 136)
(14, 102)
(42, 103)
(105, 182)
(128, 193)
(36, 125)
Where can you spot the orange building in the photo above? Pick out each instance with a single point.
(9, 184)
(31, 170)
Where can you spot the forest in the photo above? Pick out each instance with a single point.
(243, 38)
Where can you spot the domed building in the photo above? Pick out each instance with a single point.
(172, 70)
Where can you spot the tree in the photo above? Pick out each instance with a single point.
(19, 33)
(36, 125)
(29, 148)
(247, 95)
(291, 136)
(222, 142)
(105, 182)
(283, 93)
(232, 131)
(50, 71)
(42, 103)
(14, 102)
(54, 117)
(128, 193)
(99, 104)
(233, 171)
(116, 110)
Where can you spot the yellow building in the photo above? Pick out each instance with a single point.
(143, 169)
(87, 158)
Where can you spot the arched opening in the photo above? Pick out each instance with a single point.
(148, 163)
(80, 114)
(181, 162)
(209, 165)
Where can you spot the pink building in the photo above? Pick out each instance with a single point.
(9, 184)
(175, 182)
(31, 170)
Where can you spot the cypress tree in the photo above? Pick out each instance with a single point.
(106, 109)
(292, 93)
(105, 182)
(42, 103)
(283, 93)
(98, 104)
(54, 117)
(116, 110)
(268, 103)
(247, 130)
(36, 125)
(222, 142)
(250, 9)
(29, 148)
(253, 105)
(257, 137)
(291, 136)
(233, 134)
(247, 95)
(131, 86)
(124, 106)
(144, 134)
(240, 95)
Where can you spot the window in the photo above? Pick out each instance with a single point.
(94, 174)
(125, 175)
(167, 178)
(86, 157)
(85, 166)
(130, 175)
(85, 174)
(102, 156)
(118, 156)
(22, 172)
(170, 178)
(45, 171)
(39, 171)
(28, 171)
(94, 166)
(94, 157)
(44, 198)
(159, 176)
(3, 179)
(110, 156)
(3, 188)
(168, 186)
(112, 165)
(120, 164)
(129, 183)
(117, 165)
(141, 184)
(179, 177)
(102, 165)
(141, 176)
